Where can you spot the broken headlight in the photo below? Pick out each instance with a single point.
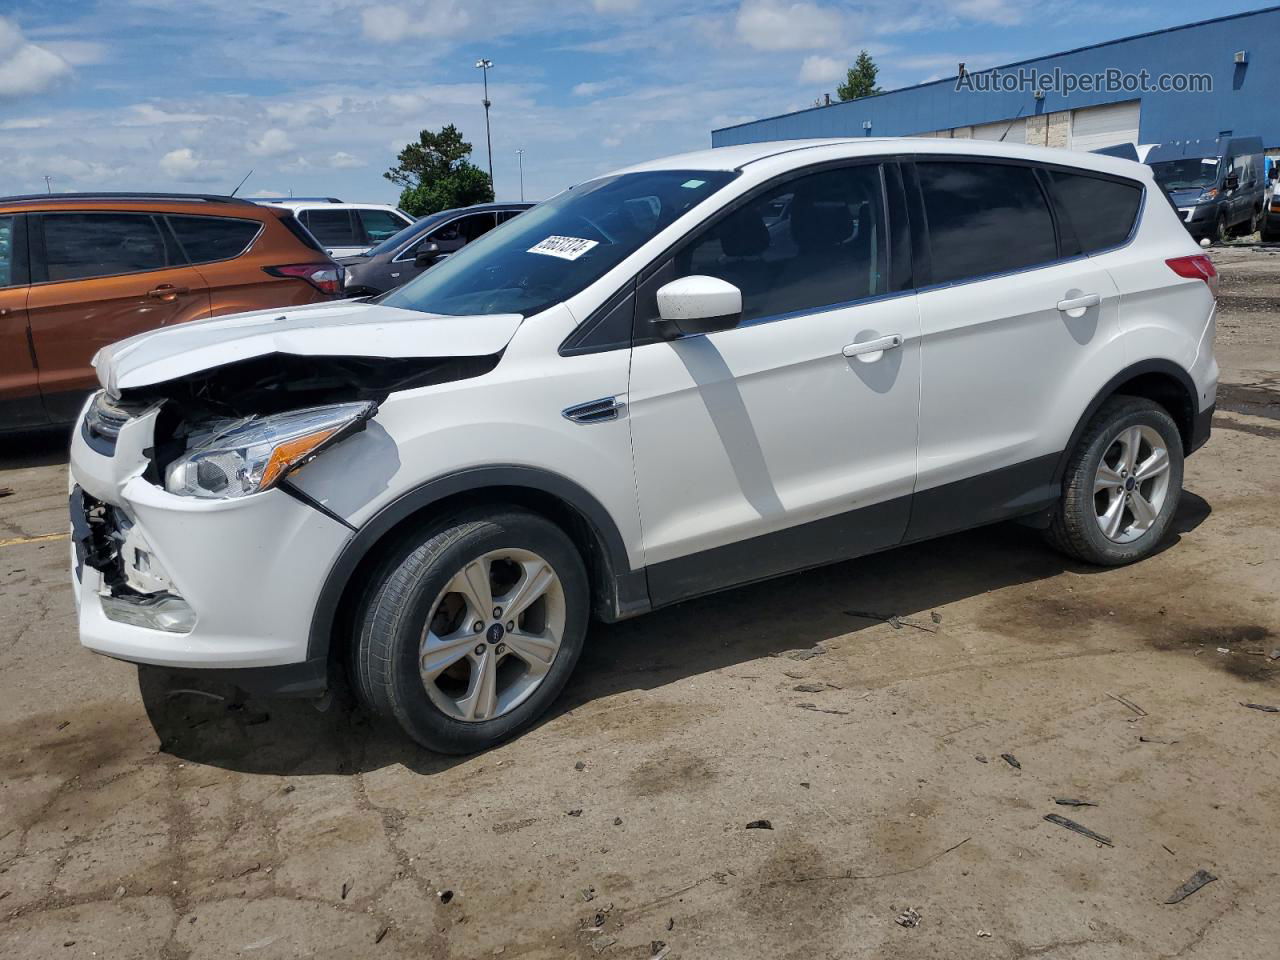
(234, 458)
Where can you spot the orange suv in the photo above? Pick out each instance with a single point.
(80, 271)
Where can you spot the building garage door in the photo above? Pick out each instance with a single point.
(1017, 131)
(1093, 128)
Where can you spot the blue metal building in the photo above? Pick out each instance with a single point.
(1239, 54)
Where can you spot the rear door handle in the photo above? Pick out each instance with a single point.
(1079, 303)
(869, 351)
(166, 291)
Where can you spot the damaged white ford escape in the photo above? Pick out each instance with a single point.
(689, 375)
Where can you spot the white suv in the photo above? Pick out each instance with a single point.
(346, 229)
(689, 375)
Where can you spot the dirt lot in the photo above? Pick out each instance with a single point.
(620, 824)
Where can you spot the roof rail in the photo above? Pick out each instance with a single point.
(301, 199)
(143, 195)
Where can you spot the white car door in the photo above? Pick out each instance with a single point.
(790, 440)
(1013, 337)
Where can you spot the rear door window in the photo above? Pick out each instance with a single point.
(206, 239)
(333, 228)
(1101, 212)
(811, 242)
(379, 224)
(984, 219)
(476, 226)
(81, 245)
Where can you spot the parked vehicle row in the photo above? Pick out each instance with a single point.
(687, 375)
(344, 229)
(1218, 186)
(402, 256)
(81, 271)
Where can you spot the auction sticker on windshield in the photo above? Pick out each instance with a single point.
(566, 248)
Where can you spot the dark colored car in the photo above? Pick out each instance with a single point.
(403, 256)
(80, 271)
(1217, 186)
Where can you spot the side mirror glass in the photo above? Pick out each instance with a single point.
(694, 305)
(426, 254)
(1232, 182)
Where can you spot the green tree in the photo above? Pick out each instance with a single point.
(436, 173)
(861, 80)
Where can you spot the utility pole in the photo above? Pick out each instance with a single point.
(48, 183)
(484, 64)
(520, 161)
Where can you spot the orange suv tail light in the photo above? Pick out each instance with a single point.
(325, 277)
(1198, 266)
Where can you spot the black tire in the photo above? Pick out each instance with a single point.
(1221, 229)
(399, 599)
(1269, 236)
(1074, 528)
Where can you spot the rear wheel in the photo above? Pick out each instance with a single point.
(1122, 484)
(471, 630)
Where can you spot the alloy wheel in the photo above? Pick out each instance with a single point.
(492, 635)
(1131, 483)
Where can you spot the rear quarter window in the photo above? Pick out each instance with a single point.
(206, 239)
(1100, 211)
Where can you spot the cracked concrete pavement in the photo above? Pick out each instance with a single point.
(142, 820)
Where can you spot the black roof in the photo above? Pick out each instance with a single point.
(170, 197)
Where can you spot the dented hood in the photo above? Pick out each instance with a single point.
(342, 329)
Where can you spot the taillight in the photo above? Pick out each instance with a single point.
(325, 277)
(1198, 266)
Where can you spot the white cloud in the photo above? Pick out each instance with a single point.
(770, 25)
(180, 164)
(387, 23)
(27, 69)
(818, 70)
(148, 115)
(272, 143)
(25, 123)
(345, 161)
(592, 88)
(78, 53)
(1002, 12)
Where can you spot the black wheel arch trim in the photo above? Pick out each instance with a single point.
(626, 589)
(1112, 386)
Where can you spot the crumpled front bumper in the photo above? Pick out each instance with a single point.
(250, 570)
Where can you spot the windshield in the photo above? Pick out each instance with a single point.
(1186, 174)
(414, 229)
(559, 247)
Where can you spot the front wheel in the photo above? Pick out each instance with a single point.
(472, 628)
(1122, 484)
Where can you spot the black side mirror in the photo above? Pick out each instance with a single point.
(1231, 183)
(1274, 173)
(426, 254)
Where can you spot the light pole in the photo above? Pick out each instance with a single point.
(484, 64)
(520, 161)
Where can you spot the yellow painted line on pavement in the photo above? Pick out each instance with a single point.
(16, 541)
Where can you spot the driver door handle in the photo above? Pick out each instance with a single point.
(869, 351)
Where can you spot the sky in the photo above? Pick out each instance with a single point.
(316, 97)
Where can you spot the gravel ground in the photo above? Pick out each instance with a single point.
(900, 766)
